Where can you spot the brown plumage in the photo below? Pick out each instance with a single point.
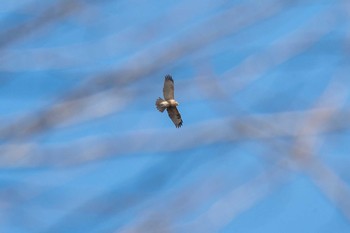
(169, 103)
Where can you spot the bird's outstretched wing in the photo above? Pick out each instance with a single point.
(175, 116)
(168, 89)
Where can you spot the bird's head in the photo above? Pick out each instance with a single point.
(173, 102)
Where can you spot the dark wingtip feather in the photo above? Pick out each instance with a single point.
(179, 125)
(168, 77)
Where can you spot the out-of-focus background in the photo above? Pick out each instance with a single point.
(263, 88)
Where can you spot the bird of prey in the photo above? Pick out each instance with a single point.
(169, 103)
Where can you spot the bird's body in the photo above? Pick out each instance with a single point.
(163, 104)
(169, 103)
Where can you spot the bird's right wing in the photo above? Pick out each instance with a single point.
(175, 116)
(168, 89)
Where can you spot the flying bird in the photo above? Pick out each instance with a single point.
(169, 103)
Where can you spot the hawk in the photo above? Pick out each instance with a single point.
(169, 103)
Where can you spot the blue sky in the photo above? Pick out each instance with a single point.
(263, 94)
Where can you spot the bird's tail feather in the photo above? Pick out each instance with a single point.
(159, 107)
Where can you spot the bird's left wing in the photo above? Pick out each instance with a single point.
(175, 116)
(168, 89)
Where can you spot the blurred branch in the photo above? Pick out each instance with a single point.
(238, 200)
(205, 133)
(55, 12)
(304, 149)
(120, 199)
